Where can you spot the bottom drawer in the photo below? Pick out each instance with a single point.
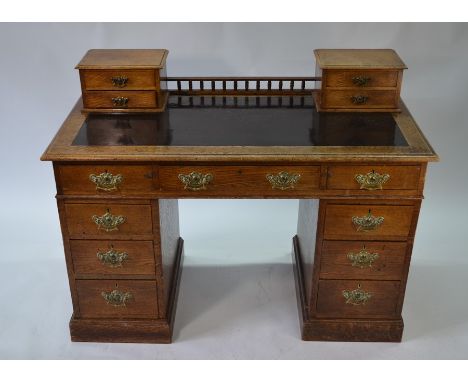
(117, 298)
(120, 99)
(355, 298)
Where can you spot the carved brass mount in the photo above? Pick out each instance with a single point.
(363, 258)
(357, 296)
(372, 180)
(108, 222)
(283, 180)
(117, 298)
(120, 101)
(368, 222)
(196, 181)
(106, 181)
(361, 80)
(112, 258)
(359, 99)
(119, 81)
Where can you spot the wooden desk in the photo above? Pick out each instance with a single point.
(360, 178)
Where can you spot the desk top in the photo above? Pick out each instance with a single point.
(240, 128)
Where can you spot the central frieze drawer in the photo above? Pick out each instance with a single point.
(239, 180)
(112, 257)
(364, 222)
(117, 299)
(106, 179)
(108, 219)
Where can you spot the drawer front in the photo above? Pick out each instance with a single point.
(373, 179)
(361, 78)
(99, 257)
(360, 99)
(117, 299)
(106, 179)
(362, 260)
(356, 298)
(119, 99)
(108, 219)
(361, 222)
(240, 181)
(120, 79)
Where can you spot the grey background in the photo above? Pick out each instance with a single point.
(237, 295)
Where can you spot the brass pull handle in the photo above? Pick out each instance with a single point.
(359, 99)
(108, 222)
(367, 222)
(372, 180)
(117, 298)
(283, 180)
(361, 80)
(120, 101)
(112, 258)
(363, 258)
(357, 296)
(105, 181)
(195, 181)
(119, 81)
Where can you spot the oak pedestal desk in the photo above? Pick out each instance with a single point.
(359, 177)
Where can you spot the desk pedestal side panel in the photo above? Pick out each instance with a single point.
(123, 268)
(351, 287)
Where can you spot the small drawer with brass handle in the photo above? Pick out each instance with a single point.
(372, 179)
(361, 78)
(374, 260)
(78, 179)
(356, 298)
(120, 99)
(234, 181)
(366, 98)
(110, 79)
(119, 257)
(87, 220)
(355, 221)
(117, 298)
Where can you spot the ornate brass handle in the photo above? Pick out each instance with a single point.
(372, 180)
(108, 222)
(195, 181)
(368, 222)
(117, 298)
(360, 80)
(112, 258)
(120, 101)
(363, 258)
(119, 81)
(357, 296)
(283, 180)
(105, 181)
(359, 99)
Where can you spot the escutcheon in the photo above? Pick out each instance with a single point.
(283, 180)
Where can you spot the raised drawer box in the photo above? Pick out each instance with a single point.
(359, 79)
(239, 180)
(117, 298)
(123, 80)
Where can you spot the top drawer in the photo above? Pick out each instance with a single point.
(118, 79)
(361, 78)
(105, 179)
(373, 179)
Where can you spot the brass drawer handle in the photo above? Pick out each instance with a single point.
(368, 222)
(106, 181)
(372, 180)
(283, 180)
(357, 296)
(195, 181)
(108, 222)
(361, 80)
(112, 258)
(359, 99)
(120, 101)
(119, 81)
(117, 298)
(363, 258)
